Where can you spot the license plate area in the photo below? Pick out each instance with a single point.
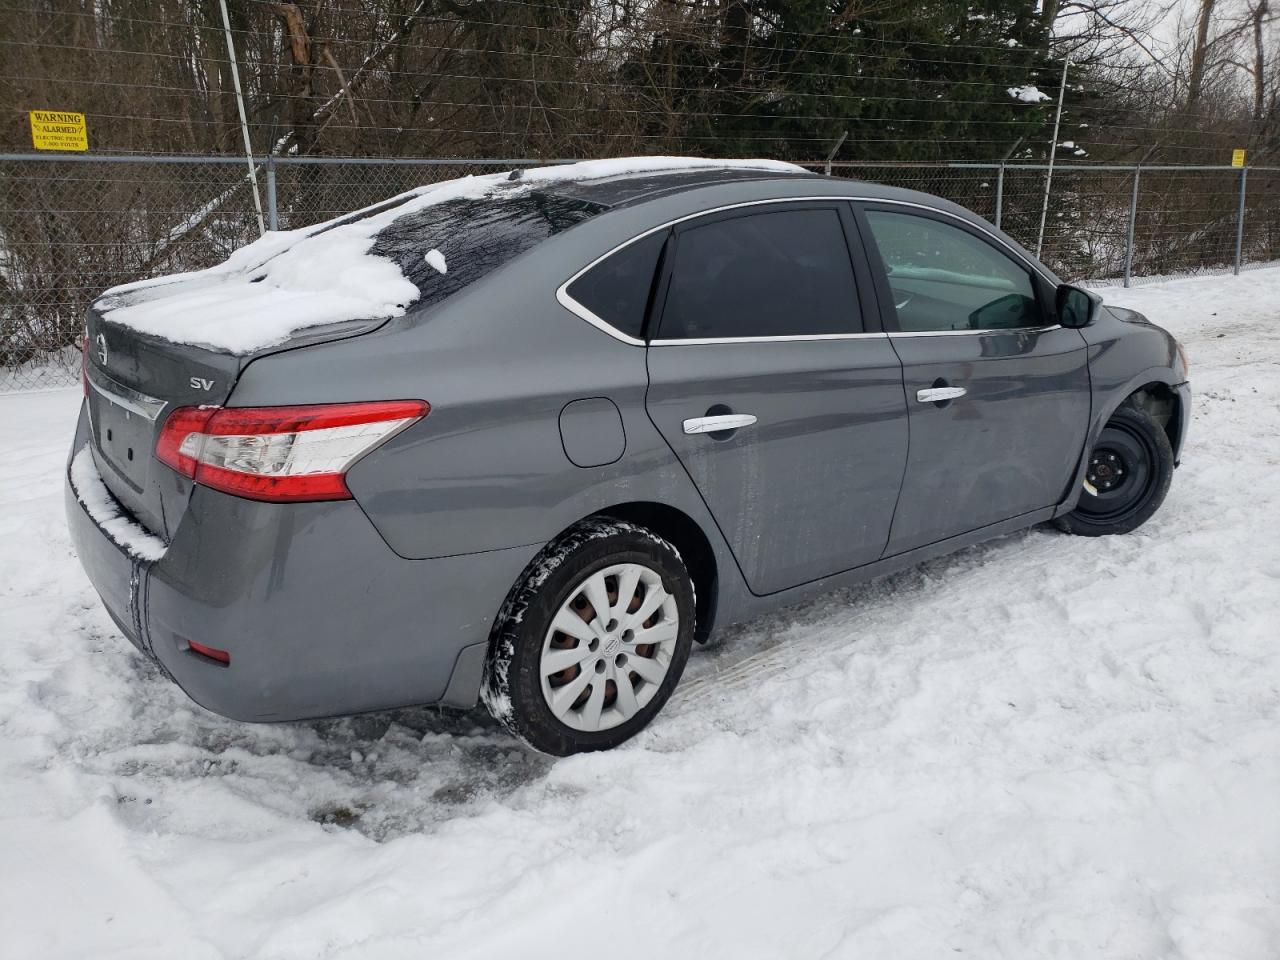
(124, 439)
(124, 423)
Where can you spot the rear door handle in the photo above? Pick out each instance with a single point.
(939, 394)
(728, 421)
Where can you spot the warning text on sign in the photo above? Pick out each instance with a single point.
(59, 130)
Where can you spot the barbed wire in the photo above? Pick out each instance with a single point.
(776, 31)
(497, 51)
(531, 28)
(758, 136)
(762, 72)
(619, 84)
(774, 97)
(186, 91)
(684, 110)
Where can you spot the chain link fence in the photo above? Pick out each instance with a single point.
(72, 226)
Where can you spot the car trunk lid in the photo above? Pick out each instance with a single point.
(134, 381)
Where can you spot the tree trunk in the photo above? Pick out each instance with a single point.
(1200, 52)
(1259, 61)
(303, 100)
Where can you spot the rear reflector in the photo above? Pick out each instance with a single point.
(213, 653)
(280, 454)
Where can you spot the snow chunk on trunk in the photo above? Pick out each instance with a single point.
(290, 280)
(87, 485)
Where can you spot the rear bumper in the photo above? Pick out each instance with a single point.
(319, 615)
(110, 569)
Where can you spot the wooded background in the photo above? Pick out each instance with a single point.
(942, 79)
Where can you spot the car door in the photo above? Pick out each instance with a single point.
(997, 393)
(785, 409)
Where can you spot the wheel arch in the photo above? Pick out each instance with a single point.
(1162, 403)
(683, 532)
(1155, 386)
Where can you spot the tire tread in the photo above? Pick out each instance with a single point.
(496, 690)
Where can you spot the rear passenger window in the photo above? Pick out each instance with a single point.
(775, 274)
(617, 288)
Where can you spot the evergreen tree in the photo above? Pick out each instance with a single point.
(786, 77)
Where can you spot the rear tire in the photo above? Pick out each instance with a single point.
(565, 678)
(1131, 467)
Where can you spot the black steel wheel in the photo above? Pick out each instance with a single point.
(1127, 476)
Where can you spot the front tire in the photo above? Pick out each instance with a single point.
(592, 640)
(1130, 468)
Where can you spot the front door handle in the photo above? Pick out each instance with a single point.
(728, 421)
(940, 394)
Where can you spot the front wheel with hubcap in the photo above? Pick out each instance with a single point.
(1127, 476)
(592, 640)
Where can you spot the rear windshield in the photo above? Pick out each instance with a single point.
(475, 236)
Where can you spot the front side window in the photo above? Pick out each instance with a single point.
(779, 273)
(945, 278)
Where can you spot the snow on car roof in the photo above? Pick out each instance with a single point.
(290, 280)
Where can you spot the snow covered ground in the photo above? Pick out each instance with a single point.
(1042, 747)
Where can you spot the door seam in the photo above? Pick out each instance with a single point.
(906, 460)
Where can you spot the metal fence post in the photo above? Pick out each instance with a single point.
(273, 213)
(826, 168)
(1053, 153)
(999, 193)
(1244, 179)
(1133, 220)
(1000, 181)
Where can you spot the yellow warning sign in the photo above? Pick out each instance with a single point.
(59, 130)
(1237, 158)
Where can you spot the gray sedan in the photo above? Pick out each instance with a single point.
(608, 416)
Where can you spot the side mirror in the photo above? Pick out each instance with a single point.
(1076, 306)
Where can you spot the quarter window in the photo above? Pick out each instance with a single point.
(774, 274)
(617, 288)
(944, 278)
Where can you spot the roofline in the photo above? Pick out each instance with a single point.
(746, 175)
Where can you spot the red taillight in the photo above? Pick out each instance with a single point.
(280, 454)
(84, 364)
(213, 653)
(182, 423)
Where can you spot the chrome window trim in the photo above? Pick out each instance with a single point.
(125, 397)
(969, 333)
(800, 338)
(797, 338)
(574, 307)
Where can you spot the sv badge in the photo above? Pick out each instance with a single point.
(198, 383)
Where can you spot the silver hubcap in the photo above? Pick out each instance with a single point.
(609, 647)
